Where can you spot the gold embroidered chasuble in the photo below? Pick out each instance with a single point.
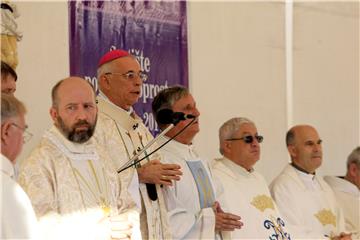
(123, 136)
(66, 180)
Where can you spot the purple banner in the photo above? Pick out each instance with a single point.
(154, 32)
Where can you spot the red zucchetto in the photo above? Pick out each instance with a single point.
(112, 55)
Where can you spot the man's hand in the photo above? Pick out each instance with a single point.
(226, 221)
(159, 173)
(343, 236)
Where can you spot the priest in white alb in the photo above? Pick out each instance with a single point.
(246, 192)
(18, 220)
(347, 192)
(304, 199)
(192, 203)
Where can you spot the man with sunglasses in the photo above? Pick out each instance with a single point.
(192, 202)
(304, 199)
(18, 220)
(245, 190)
(123, 133)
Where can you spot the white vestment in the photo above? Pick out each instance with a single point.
(246, 194)
(123, 135)
(73, 187)
(348, 197)
(187, 218)
(311, 212)
(18, 220)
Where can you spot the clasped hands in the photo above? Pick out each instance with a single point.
(342, 236)
(159, 173)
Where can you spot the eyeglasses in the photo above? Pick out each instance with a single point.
(26, 134)
(131, 75)
(248, 139)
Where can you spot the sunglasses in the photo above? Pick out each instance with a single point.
(248, 139)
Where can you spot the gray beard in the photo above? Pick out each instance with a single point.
(76, 136)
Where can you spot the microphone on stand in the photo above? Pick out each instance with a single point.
(164, 116)
(167, 116)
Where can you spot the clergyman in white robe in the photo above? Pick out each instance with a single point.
(348, 197)
(124, 134)
(18, 220)
(307, 204)
(73, 187)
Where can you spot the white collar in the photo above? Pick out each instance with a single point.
(74, 149)
(342, 185)
(305, 176)
(179, 144)
(185, 150)
(309, 180)
(106, 99)
(7, 167)
(236, 168)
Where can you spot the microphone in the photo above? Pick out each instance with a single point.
(167, 116)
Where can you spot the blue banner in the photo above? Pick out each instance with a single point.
(153, 31)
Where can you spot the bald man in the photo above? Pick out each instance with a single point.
(304, 199)
(70, 180)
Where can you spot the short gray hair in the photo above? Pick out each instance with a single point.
(354, 157)
(105, 68)
(229, 128)
(11, 107)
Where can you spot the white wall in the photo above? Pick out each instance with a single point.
(43, 61)
(237, 68)
(326, 76)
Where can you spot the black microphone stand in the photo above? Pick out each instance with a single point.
(149, 144)
(129, 164)
(151, 187)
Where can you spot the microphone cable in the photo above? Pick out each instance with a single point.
(167, 141)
